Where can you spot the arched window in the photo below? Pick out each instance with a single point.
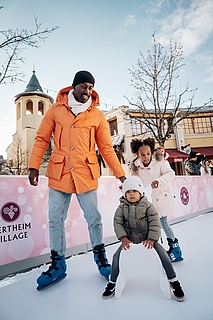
(41, 108)
(29, 108)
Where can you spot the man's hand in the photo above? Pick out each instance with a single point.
(122, 179)
(33, 176)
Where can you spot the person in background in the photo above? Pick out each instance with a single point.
(77, 125)
(137, 221)
(193, 164)
(211, 167)
(205, 168)
(152, 168)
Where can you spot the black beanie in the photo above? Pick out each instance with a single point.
(192, 154)
(83, 76)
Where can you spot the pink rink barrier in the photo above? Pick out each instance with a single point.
(24, 221)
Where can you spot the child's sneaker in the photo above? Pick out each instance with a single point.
(109, 291)
(177, 290)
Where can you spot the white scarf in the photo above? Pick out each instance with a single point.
(77, 107)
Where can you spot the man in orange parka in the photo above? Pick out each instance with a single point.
(76, 124)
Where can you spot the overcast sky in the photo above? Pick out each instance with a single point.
(106, 37)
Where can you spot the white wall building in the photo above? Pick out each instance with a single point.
(195, 132)
(31, 106)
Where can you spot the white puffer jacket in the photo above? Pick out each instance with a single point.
(159, 169)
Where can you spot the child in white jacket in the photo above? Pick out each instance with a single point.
(154, 170)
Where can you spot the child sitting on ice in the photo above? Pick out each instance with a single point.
(137, 221)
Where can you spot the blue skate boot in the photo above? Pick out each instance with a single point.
(100, 258)
(54, 274)
(174, 252)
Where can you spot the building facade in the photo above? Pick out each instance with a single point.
(192, 133)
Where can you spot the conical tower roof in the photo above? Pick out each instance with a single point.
(33, 84)
(33, 88)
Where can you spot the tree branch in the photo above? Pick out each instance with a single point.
(12, 46)
(153, 80)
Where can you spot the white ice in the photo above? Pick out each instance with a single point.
(79, 296)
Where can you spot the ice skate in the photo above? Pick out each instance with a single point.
(54, 274)
(174, 252)
(100, 258)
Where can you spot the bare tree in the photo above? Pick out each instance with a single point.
(17, 158)
(153, 79)
(12, 44)
(5, 169)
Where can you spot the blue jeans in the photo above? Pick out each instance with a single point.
(58, 208)
(166, 228)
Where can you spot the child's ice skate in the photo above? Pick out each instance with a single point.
(174, 252)
(101, 261)
(54, 274)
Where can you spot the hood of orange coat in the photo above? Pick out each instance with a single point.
(62, 97)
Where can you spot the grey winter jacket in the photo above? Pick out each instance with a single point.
(137, 221)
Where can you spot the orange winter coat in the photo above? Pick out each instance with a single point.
(73, 165)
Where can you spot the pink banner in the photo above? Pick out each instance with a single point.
(24, 221)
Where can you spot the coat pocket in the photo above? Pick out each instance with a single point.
(55, 166)
(92, 163)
